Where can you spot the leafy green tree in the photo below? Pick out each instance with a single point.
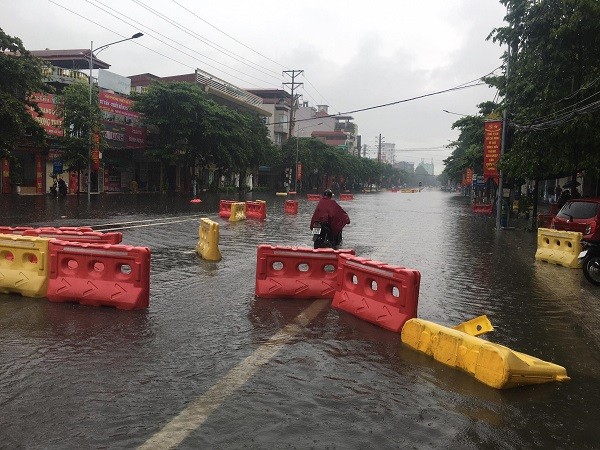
(468, 148)
(188, 127)
(80, 118)
(551, 86)
(21, 75)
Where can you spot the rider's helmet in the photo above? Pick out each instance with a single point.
(327, 193)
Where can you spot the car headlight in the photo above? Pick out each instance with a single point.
(588, 229)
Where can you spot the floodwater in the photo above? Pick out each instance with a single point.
(209, 366)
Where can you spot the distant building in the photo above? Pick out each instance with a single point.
(278, 102)
(427, 166)
(388, 151)
(406, 166)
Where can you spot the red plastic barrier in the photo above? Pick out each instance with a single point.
(290, 207)
(484, 208)
(313, 197)
(95, 237)
(256, 210)
(99, 274)
(296, 272)
(394, 190)
(225, 208)
(14, 230)
(20, 230)
(379, 293)
(346, 196)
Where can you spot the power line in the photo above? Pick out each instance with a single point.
(199, 37)
(229, 36)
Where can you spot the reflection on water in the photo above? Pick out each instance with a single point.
(109, 378)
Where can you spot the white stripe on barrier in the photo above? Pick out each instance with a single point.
(297, 254)
(369, 269)
(18, 244)
(91, 251)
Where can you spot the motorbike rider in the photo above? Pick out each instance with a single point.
(329, 212)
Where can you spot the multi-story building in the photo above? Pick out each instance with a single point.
(279, 103)
(338, 131)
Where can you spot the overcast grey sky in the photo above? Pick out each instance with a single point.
(354, 54)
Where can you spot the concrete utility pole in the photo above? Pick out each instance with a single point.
(293, 74)
(380, 141)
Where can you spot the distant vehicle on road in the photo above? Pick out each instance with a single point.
(583, 215)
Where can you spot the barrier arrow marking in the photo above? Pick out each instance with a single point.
(301, 287)
(65, 286)
(275, 286)
(21, 281)
(328, 287)
(365, 304)
(120, 290)
(386, 315)
(92, 287)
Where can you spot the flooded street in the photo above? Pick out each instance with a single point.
(209, 366)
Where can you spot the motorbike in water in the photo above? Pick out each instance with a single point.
(323, 237)
(590, 261)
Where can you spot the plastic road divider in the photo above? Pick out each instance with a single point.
(475, 327)
(23, 265)
(225, 208)
(296, 272)
(99, 274)
(256, 209)
(14, 230)
(76, 236)
(290, 207)
(492, 364)
(20, 230)
(482, 208)
(238, 212)
(346, 196)
(559, 247)
(313, 197)
(379, 293)
(208, 243)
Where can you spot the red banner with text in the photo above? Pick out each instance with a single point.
(492, 140)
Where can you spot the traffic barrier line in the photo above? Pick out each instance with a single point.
(208, 242)
(296, 272)
(559, 247)
(492, 364)
(379, 293)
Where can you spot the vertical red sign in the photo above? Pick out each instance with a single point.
(299, 171)
(38, 174)
(96, 151)
(492, 138)
(468, 176)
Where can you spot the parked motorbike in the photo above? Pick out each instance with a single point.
(323, 237)
(590, 260)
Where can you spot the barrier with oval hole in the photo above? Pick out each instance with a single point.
(559, 247)
(256, 209)
(313, 197)
(296, 272)
(95, 237)
(208, 242)
(290, 207)
(379, 293)
(225, 208)
(99, 274)
(23, 265)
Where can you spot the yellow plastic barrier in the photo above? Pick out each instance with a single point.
(559, 247)
(238, 212)
(24, 265)
(475, 327)
(492, 364)
(208, 244)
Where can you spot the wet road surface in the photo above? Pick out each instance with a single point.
(210, 366)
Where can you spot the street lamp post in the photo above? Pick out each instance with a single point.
(297, 139)
(92, 50)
